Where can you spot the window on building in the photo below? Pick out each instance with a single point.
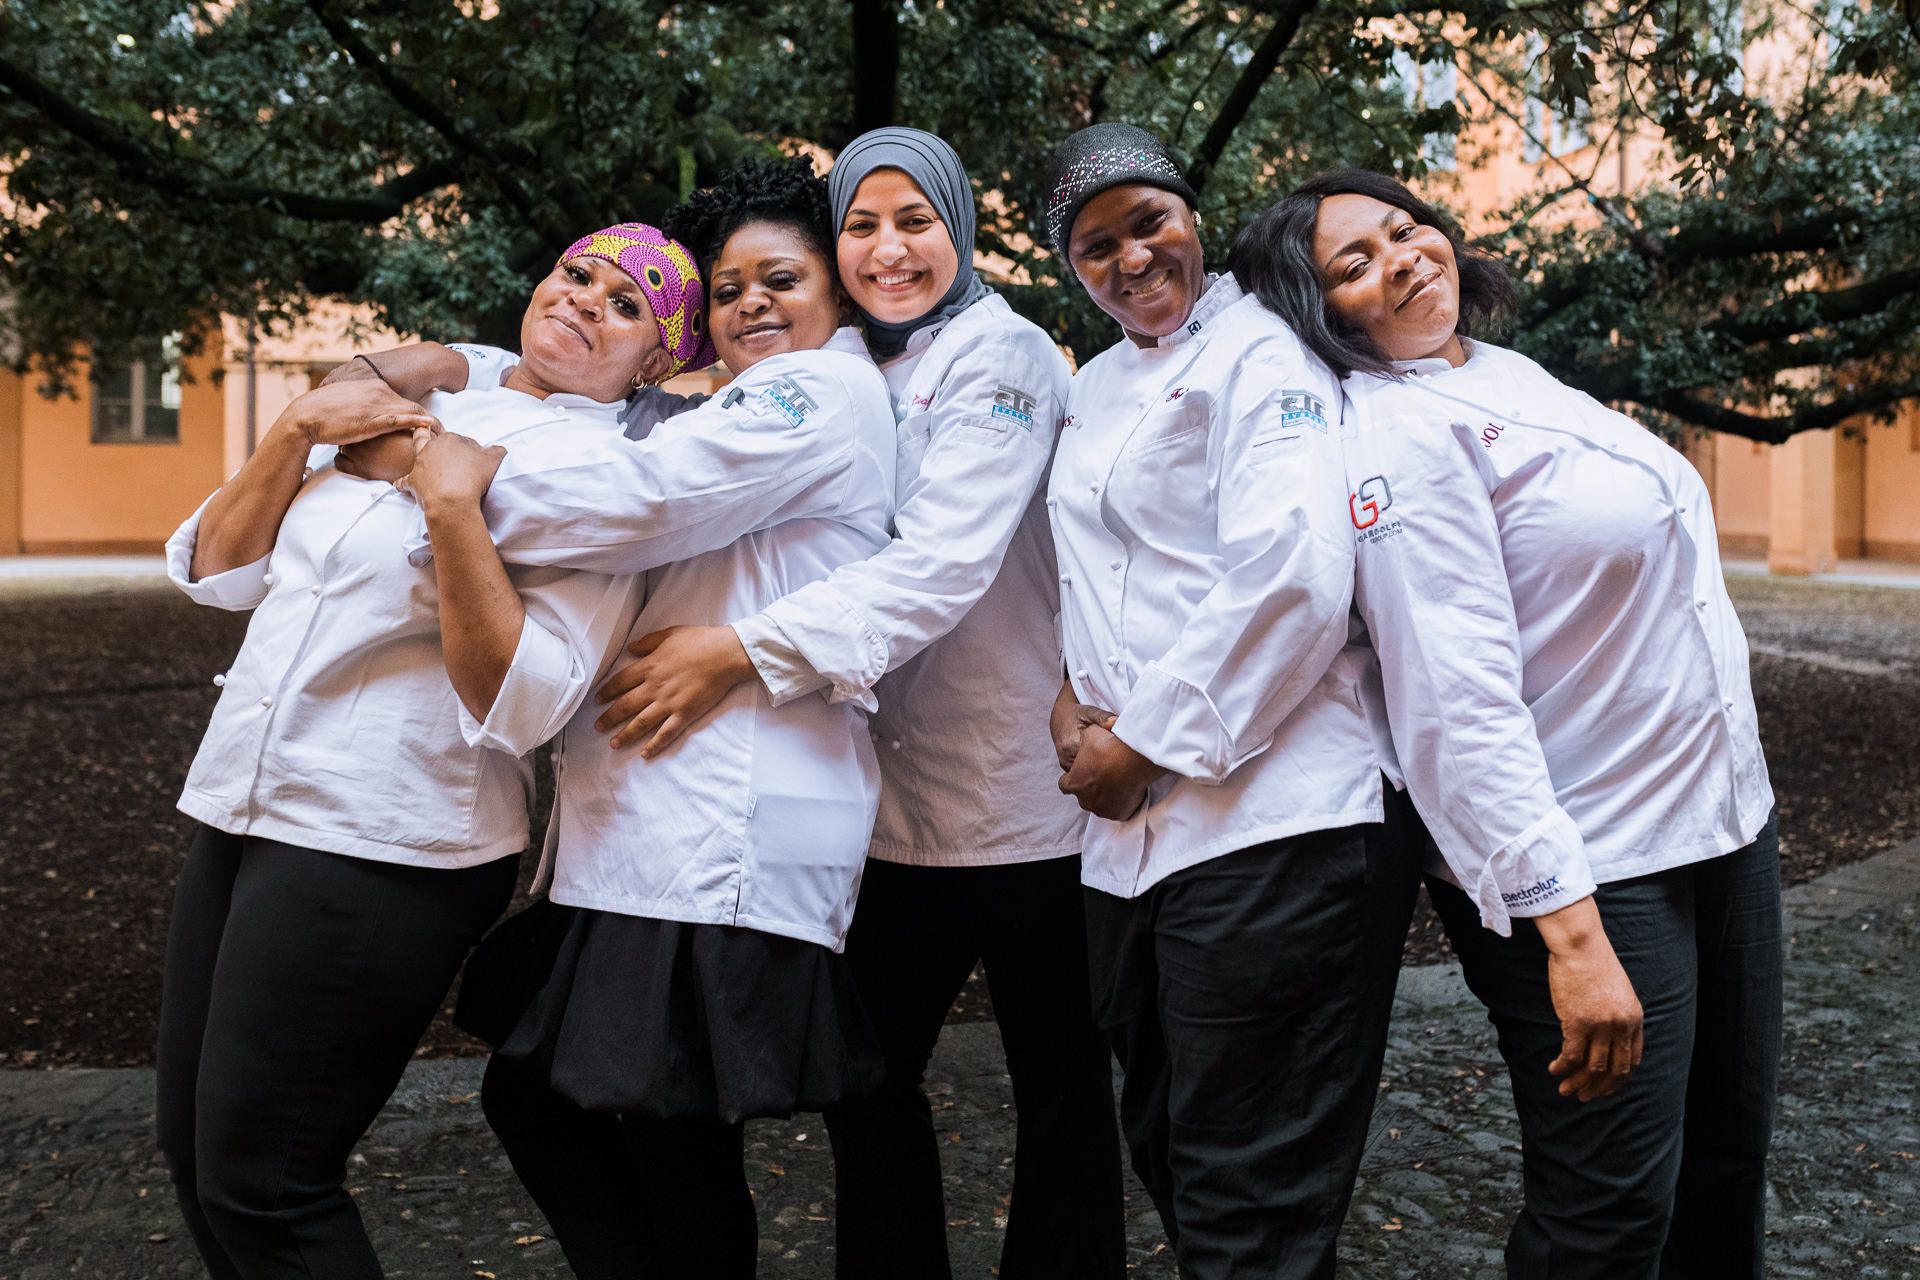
(1428, 86)
(136, 397)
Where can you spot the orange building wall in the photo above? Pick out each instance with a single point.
(1742, 485)
(12, 387)
(1892, 488)
(138, 491)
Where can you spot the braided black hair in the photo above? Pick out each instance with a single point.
(786, 192)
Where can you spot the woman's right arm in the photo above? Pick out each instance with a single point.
(414, 371)
(239, 524)
(1431, 582)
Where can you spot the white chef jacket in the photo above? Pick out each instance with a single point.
(337, 727)
(760, 816)
(1565, 679)
(954, 625)
(1206, 580)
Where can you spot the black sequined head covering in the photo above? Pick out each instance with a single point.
(1099, 158)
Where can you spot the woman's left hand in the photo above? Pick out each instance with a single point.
(1108, 778)
(681, 674)
(450, 469)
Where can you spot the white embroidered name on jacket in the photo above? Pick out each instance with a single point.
(760, 816)
(1206, 575)
(953, 628)
(1566, 681)
(337, 727)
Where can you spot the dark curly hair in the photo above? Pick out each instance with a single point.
(787, 192)
(1273, 259)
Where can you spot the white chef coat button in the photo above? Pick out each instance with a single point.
(1065, 579)
(1700, 603)
(267, 578)
(1113, 659)
(1094, 487)
(1053, 502)
(1728, 704)
(267, 701)
(895, 744)
(1082, 674)
(1116, 566)
(315, 588)
(220, 680)
(1682, 511)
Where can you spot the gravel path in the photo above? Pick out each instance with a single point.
(84, 1194)
(107, 690)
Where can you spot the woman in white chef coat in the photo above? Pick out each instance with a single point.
(1248, 885)
(951, 629)
(1566, 686)
(362, 786)
(700, 897)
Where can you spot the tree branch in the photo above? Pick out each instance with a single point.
(1286, 24)
(500, 161)
(1778, 429)
(1800, 312)
(138, 161)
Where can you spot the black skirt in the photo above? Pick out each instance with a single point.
(671, 1020)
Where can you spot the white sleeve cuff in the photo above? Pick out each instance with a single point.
(541, 685)
(829, 645)
(1176, 726)
(236, 589)
(1541, 870)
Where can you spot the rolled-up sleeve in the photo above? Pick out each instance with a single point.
(573, 623)
(236, 589)
(772, 448)
(1432, 586)
(1275, 618)
(993, 421)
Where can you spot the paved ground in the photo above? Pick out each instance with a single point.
(83, 1193)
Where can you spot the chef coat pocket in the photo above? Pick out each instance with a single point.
(910, 447)
(1164, 466)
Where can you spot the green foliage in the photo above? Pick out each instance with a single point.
(172, 160)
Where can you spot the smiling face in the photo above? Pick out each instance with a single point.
(1393, 277)
(1136, 251)
(588, 331)
(771, 291)
(897, 257)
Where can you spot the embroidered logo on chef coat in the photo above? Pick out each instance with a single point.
(1368, 502)
(1302, 409)
(1175, 394)
(786, 398)
(1367, 505)
(1010, 404)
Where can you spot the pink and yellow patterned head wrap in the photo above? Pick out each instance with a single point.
(668, 278)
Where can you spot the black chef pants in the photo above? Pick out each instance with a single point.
(916, 936)
(1248, 999)
(1666, 1178)
(627, 1196)
(298, 984)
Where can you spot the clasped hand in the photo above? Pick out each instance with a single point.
(1108, 778)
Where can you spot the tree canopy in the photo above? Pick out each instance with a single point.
(168, 161)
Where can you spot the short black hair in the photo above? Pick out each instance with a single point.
(787, 192)
(1273, 259)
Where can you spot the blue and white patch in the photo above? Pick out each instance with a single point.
(1302, 409)
(1010, 404)
(784, 397)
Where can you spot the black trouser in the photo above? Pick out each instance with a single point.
(1667, 1177)
(297, 985)
(627, 1196)
(917, 933)
(1248, 999)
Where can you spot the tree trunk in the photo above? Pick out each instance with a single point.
(876, 63)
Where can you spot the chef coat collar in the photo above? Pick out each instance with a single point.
(1222, 292)
(1429, 365)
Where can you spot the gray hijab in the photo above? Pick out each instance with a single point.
(937, 171)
